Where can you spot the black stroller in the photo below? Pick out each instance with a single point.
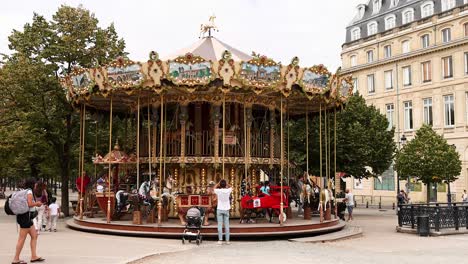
(193, 227)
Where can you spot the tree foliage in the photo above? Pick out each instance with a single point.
(37, 121)
(428, 158)
(363, 140)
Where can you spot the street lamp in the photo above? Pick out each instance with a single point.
(449, 194)
(402, 142)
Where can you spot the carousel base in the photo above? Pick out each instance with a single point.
(297, 227)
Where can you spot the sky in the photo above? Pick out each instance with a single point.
(313, 30)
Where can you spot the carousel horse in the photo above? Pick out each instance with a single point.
(145, 196)
(294, 193)
(167, 196)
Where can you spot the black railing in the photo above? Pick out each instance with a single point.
(441, 215)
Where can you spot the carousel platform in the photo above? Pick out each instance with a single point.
(172, 229)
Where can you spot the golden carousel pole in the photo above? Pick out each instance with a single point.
(224, 134)
(281, 218)
(160, 159)
(79, 155)
(149, 141)
(110, 167)
(307, 143)
(245, 148)
(138, 143)
(334, 154)
(82, 188)
(321, 173)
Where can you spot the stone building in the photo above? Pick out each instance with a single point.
(409, 58)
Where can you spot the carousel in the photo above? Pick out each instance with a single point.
(205, 113)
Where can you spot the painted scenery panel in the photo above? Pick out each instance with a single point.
(314, 80)
(252, 72)
(129, 75)
(81, 81)
(197, 71)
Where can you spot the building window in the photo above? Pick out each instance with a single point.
(388, 80)
(407, 16)
(447, 68)
(466, 62)
(355, 85)
(353, 59)
(408, 117)
(449, 110)
(390, 115)
(425, 42)
(385, 182)
(448, 4)
(427, 9)
(406, 76)
(370, 56)
(426, 71)
(405, 46)
(446, 35)
(370, 83)
(465, 29)
(355, 34)
(361, 8)
(466, 106)
(394, 3)
(371, 28)
(390, 22)
(377, 4)
(427, 111)
(387, 51)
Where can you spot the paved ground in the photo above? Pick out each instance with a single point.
(379, 244)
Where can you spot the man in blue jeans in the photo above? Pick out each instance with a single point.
(223, 191)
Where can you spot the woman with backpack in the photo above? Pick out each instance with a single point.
(25, 221)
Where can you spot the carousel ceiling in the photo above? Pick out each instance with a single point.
(212, 71)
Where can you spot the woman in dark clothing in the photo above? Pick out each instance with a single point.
(25, 221)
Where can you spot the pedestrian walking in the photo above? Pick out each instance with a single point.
(25, 221)
(40, 194)
(223, 192)
(349, 199)
(54, 213)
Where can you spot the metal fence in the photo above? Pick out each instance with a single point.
(441, 215)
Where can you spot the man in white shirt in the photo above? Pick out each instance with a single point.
(349, 199)
(223, 192)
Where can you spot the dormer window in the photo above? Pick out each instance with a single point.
(355, 33)
(407, 16)
(390, 22)
(372, 28)
(448, 4)
(427, 9)
(394, 3)
(377, 4)
(361, 9)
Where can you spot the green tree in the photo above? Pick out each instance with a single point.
(72, 38)
(429, 159)
(363, 140)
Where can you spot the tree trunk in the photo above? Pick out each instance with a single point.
(65, 167)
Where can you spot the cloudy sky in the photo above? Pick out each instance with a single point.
(313, 30)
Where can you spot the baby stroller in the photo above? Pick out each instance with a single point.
(193, 227)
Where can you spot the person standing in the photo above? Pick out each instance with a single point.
(223, 192)
(54, 213)
(27, 226)
(349, 199)
(300, 186)
(40, 194)
(464, 196)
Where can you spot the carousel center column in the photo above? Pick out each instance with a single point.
(183, 121)
(248, 125)
(216, 118)
(272, 135)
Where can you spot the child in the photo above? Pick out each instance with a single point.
(54, 212)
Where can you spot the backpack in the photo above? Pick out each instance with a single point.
(7, 206)
(18, 202)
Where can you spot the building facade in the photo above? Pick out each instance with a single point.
(409, 58)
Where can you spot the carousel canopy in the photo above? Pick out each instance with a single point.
(212, 71)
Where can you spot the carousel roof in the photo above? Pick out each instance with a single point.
(209, 70)
(210, 48)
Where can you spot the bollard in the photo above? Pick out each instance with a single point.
(367, 204)
(380, 205)
(393, 206)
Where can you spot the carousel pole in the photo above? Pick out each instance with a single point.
(281, 218)
(82, 188)
(79, 155)
(334, 156)
(110, 167)
(224, 128)
(321, 172)
(96, 149)
(245, 147)
(287, 132)
(161, 143)
(149, 140)
(138, 143)
(307, 143)
(326, 150)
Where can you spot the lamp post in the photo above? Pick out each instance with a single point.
(449, 194)
(402, 142)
